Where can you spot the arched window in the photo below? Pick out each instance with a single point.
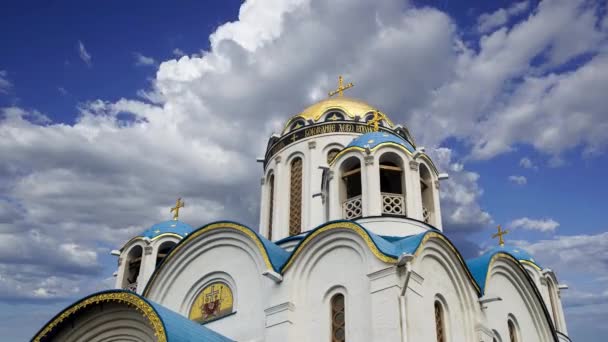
(132, 267)
(392, 186)
(439, 322)
(512, 331)
(426, 192)
(332, 154)
(270, 204)
(350, 193)
(295, 198)
(213, 302)
(338, 318)
(163, 250)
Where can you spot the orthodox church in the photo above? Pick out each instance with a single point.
(349, 248)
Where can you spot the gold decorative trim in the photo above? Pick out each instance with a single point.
(390, 143)
(340, 225)
(128, 298)
(203, 230)
(530, 263)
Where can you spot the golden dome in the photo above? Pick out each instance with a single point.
(349, 106)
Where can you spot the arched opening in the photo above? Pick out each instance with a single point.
(163, 250)
(132, 268)
(426, 192)
(332, 154)
(392, 185)
(440, 322)
(270, 204)
(350, 193)
(512, 331)
(338, 318)
(295, 198)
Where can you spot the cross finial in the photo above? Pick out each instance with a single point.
(375, 121)
(341, 87)
(499, 235)
(175, 210)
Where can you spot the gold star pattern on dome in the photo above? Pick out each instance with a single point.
(341, 87)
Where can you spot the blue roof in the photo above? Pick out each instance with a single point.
(177, 328)
(277, 255)
(479, 265)
(174, 227)
(374, 139)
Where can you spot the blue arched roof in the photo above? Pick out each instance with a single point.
(173, 326)
(479, 265)
(374, 139)
(168, 227)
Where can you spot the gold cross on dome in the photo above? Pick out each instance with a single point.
(499, 235)
(175, 210)
(375, 121)
(341, 87)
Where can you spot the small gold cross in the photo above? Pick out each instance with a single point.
(499, 235)
(341, 87)
(294, 138)
(175, 210)
(375, 121)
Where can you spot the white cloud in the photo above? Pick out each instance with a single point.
(84, 54)
(527, 163)
(5, 84)
(543, 225)
(177, 52)
(519, 180)
(141, 60)
(490, 21)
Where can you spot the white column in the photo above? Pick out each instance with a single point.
(414, 196)
(148, 264)
(372, 200)
(311, 183)
(279, 321)
(334, 202)
(437, 209)
(280, 216)
(264, 198)
(120, 273)
(384, 292)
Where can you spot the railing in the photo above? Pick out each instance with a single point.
(426, 214)
(352, 208)
(393, 204)
(132, 287)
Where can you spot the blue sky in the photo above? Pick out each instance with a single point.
(110, 112)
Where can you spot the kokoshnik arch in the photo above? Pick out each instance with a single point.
(349, 248)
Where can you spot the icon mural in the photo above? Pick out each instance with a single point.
(213, 302)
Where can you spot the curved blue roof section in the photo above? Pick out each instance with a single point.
(177, 328)
(374, 139)
(479, 265)
(173, 227)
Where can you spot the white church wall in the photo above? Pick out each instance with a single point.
(205, 260)
(393, 226)
(439, 276)
(336, 262)
(507, 281)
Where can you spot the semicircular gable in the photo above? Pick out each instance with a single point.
(517, 268)
(274, 256)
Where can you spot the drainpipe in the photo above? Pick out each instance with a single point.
(405, 260)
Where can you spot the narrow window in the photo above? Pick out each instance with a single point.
(163, 250)
(391, 184)
(350, 193)
(512, 332)
(132, 268)
(270, 205)
(338, 321)
(295, 205)
(439, 323)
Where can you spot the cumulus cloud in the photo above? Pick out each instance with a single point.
(519, 180)
(141, 60)
(489, 21)
(5, 84)
(177, 52)
(84, 54)
(543, 225)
